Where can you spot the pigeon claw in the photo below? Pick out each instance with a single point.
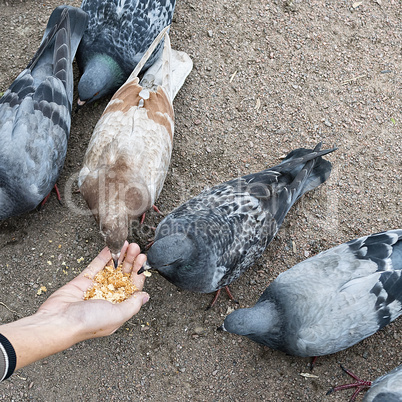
(360, 385)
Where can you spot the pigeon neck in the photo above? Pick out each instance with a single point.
(268, 317)
(109, 68)
(103, 59)
(171, 250)
(255, 322)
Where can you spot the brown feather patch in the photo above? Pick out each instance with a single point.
(159, 107)
(125, 98)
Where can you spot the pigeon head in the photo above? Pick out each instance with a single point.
(115, 197)
(174, 257)
(102, 76)
(260, 323)
(115, 234)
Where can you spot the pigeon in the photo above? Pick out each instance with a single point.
(328, 302)
(129, 153)
(207, 242)
(387, 388)
(118, 34)
(35, 116)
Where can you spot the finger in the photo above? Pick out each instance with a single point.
(138, 280)
(123, 251)
(131, 254)
(97, 264)
(133, 304)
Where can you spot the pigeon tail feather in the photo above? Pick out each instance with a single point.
(78, 24)
(167, 67)
(148, 54)
(50, 33)
(315, 171)
(180, 66)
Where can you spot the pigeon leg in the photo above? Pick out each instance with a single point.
(47, 197)
(218, 292)
(230, 294)
(57, 194)
(155, 208)
(360, 385)
(312, 363)
(151, 242)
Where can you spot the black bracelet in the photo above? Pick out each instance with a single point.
(9, 357)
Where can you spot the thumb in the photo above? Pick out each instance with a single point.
(145, 297)
(134, 303)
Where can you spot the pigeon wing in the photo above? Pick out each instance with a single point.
(337, 298)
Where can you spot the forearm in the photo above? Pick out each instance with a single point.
(65, 318)
(38, 336)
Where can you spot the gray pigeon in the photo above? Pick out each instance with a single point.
(119, 33)
(329, 302)
(387, 388)
(206, 243)
(35, 116)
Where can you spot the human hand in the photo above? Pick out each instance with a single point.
(95, 318)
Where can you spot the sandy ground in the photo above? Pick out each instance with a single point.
(268, 77)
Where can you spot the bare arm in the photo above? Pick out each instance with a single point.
(65, 318)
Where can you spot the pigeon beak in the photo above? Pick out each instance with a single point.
(221, 328)
(80, 103)
(115, 258)
(144, 268)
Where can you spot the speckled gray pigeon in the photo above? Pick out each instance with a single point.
(387, 388)
(35, 116)
(119, 33)
(329, 302)
(206, 243)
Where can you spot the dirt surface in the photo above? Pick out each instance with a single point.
(268, 77)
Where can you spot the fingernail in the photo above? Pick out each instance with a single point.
(145, 299)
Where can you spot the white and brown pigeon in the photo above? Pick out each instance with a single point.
(118, 34)
(129, 153)
(329, 302)
(210, 240)
(35, 116)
